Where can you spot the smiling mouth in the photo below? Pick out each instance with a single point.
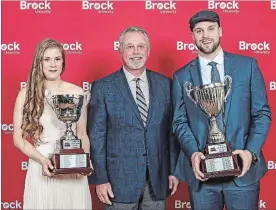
(206, 42)
(52, 70)
(136, 58)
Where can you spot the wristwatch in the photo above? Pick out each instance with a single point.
(254, 157)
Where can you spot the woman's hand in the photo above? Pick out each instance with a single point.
(46, 167)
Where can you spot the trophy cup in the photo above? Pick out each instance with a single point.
(68, 156)
(220, 161)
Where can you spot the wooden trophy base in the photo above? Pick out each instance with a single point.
(83, 171)
(71, 161)
(220, 163)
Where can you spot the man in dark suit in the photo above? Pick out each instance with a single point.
(129, 125)
(245, 121)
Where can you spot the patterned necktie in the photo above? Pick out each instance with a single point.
(141, 102)
(214, 72)
(214, 79)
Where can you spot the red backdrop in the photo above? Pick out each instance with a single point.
(89, 31)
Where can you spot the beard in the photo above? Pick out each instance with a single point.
(136, 64)
(210, 50)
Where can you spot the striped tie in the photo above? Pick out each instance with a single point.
(141, 102)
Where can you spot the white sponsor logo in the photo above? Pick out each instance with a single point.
(178, 204)
(186, 46)
(271, 165)
(24, 165)
(11, 48)
(272, 4)
(262, 204)
(272, 86)
(86, 86)
(23, 85)
(116, 45)
(164, 7)
(11, 205)
(72, 48)
(101, 7)
(225, 6)
(38, 7)
(258, 48)
(7, 128)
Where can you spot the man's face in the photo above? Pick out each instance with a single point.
(207, 36)
(134, 51)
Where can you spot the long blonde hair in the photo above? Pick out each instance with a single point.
(34, 101)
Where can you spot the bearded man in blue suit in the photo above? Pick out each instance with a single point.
(245, 121)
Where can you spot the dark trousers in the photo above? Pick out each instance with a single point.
(147, 200)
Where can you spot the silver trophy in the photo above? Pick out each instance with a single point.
(69, 157)
(219, 160)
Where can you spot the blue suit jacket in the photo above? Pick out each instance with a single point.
(246, 117)
(120, 144)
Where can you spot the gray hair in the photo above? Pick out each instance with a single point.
(133, 29)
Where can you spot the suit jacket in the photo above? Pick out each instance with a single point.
(121, 145)
(246, 117)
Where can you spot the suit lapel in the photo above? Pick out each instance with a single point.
(195, 73)
(152, 83)
(228, 70)
(123, 86)
(197, 81)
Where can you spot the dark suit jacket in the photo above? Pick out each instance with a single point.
(120, 144)
(247, 116)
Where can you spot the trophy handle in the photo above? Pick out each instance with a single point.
(87, 97)
(49, 98)
(228, 84)
(189, 89)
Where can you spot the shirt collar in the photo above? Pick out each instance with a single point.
(130, 77)
(219, 59)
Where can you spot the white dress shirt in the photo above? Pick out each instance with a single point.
(205, 69)
(143, 84)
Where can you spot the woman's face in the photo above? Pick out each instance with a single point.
(52, 64)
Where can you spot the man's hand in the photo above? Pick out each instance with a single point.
(246, 157)
(196, 159)
(46, 165)
(104, 191)
(173, 184)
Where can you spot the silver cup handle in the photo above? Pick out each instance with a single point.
(188, 87)
(86, 97)
(49, 98)
(228, 85)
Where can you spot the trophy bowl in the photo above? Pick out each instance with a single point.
(219, 160)
(69, 157)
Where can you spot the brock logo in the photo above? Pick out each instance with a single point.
(100, 7)
(162, 6)
(225, 6)
(38, 7)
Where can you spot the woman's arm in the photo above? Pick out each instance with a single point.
(22, 144)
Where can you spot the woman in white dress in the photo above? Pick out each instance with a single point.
(36, 129)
